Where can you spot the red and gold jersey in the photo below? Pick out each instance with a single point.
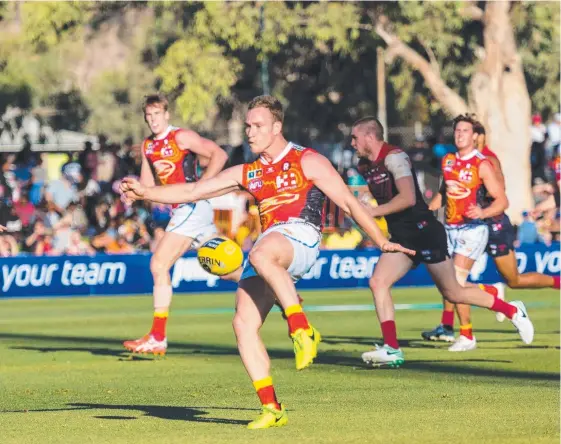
(464, 187)
(169, 163)
(282, 191)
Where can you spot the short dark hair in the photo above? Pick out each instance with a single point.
(469, 118)
(155, 99)
(271, 103)
(478, 128)
(371, 125)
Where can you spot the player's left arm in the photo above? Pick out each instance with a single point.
(226, 181)
(498, 169)
(495, 188)
(320, 171)
(399, 165)
(214, 157)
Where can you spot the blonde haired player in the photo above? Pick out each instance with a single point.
(289, 183)
(169, 156)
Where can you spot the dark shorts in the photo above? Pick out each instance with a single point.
(501, 238)
(427, 238)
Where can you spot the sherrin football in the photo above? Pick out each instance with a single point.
(220, 256)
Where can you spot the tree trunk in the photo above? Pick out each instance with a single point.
(499, 96)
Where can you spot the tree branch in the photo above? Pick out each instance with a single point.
(447, 97)
(433, 62)
(473, 12)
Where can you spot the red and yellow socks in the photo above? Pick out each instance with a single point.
(296, 318)
(389, 333)
(266, 392)
(491, 289)
(158, 330)
(467, 331)
(447, 318)
(504, 307)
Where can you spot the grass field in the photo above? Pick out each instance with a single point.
(64, 377)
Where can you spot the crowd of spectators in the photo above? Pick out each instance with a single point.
(77, 209)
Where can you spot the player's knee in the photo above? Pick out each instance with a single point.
(244, 326)
(158, 267)
(379, 283)
(258, 258)
(513, 281)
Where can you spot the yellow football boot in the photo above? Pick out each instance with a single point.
(305, 346)
(269, 417)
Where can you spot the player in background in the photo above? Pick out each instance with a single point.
(289, 183)
(501, 241)
(467, 177)
(169, 156)
(391, 180)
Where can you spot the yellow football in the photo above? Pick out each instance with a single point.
(220, 256)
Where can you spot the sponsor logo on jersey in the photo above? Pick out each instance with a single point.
(270, 170)
(167, 151)
(254, 174)
(456, 190)
(286, 180)
(286, 166)
(449, 163)
(274, 202)
(466, 175)
(164, 168)
(255, 184)
(150, 148)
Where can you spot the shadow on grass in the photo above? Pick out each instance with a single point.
(334, 357)
(195, 414)
(114, 347)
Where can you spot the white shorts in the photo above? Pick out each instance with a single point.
(195, 220)
(468, 240)
(305, 240)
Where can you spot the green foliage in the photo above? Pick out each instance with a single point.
(45, 24)
(537, 30)
(320, 56)
(115, 102)
(197, 76)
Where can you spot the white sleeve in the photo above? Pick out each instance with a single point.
(399, 165)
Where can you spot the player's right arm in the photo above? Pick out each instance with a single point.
(320, 171)
(223, 183)
(146, 175)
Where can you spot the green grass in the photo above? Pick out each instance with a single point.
(64, 377)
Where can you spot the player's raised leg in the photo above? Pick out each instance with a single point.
(389, 269)
(171, 247)
(254, 300)
(444, 278)
(280, 261)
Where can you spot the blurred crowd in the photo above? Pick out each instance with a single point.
(75, 209)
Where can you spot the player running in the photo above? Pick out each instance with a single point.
(392, 181)
(169, 156)
(289, 183)
(501, 241)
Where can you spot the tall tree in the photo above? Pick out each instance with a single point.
(495, 84)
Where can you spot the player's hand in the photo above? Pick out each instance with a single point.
(475, 212)
(2, 228)
(131, 190)
(391, 247)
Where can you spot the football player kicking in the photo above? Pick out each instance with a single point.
(289, 183)
(392, 182)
